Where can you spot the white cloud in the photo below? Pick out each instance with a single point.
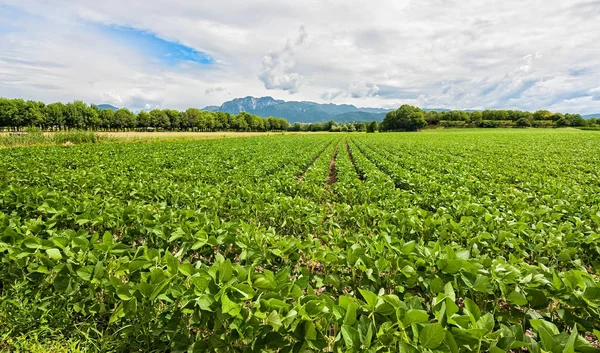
(278, 70)
(456, 54)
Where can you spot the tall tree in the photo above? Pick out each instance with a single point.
(372, 126)
(160, 119)
(54, 113)
(405, 118)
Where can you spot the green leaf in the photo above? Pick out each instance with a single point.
(370, 297)
(245, 290)
(365, 330)
(124, 293)
(351, 336)
(432, 336)
(486, 322)
(172, 263)
(131, 307)
(107, 238)
(159, 289)
(32, 243)
(119, 313)
(274, 320)
(449, 291)
(414, 316)
(516, 298)
(472, 310)
(229, 307)
(54, 254)
(264, 284)
(570, 345)
(350, 317)
(592, 293)
(99, 270)
(453, 266)
(178, 233)
(546, 331)
(451, 342)
(186, 269)
(61, 283)
(314, 307)
(86, 272)
(225, 271)
(310, 331)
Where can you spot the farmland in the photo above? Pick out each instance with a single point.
(453, 241)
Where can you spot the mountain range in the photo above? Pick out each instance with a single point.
(302, 112)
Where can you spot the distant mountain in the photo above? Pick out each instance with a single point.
(597, 115)
(211, 108)
(107, 107)
(302, 112)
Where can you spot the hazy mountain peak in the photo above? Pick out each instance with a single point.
(303, 111)
(107, 107)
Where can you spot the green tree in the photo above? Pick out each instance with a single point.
(160, 119)
(174, 118)
(144, 120)
(34, 115)
(8, 112)
(372, 126)
(75, 114)
(124, 118)
(457, 115)
(107, 119)
(495, 115)
(223, 119)
(91, 118)
(192, 118)
(575, 119)
(238, 123)
(54, 114)
(432, 117)
(542, 115)
(476, 116)
(405, 118)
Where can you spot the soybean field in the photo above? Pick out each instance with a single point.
(453, 241)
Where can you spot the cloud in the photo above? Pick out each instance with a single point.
(135, 100)
(212, 90)
(450, 54)
(595, 93)
(362, 89)
(278, 70)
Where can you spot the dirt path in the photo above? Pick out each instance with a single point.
(332, 172)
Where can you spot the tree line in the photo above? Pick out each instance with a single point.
(409, 118)
(18, 113)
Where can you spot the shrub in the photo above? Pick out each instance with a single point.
(453, 123)
(523, 122)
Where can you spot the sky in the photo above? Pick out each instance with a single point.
(455, 54)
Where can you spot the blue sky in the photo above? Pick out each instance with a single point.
(166, 52)
(466, 54)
